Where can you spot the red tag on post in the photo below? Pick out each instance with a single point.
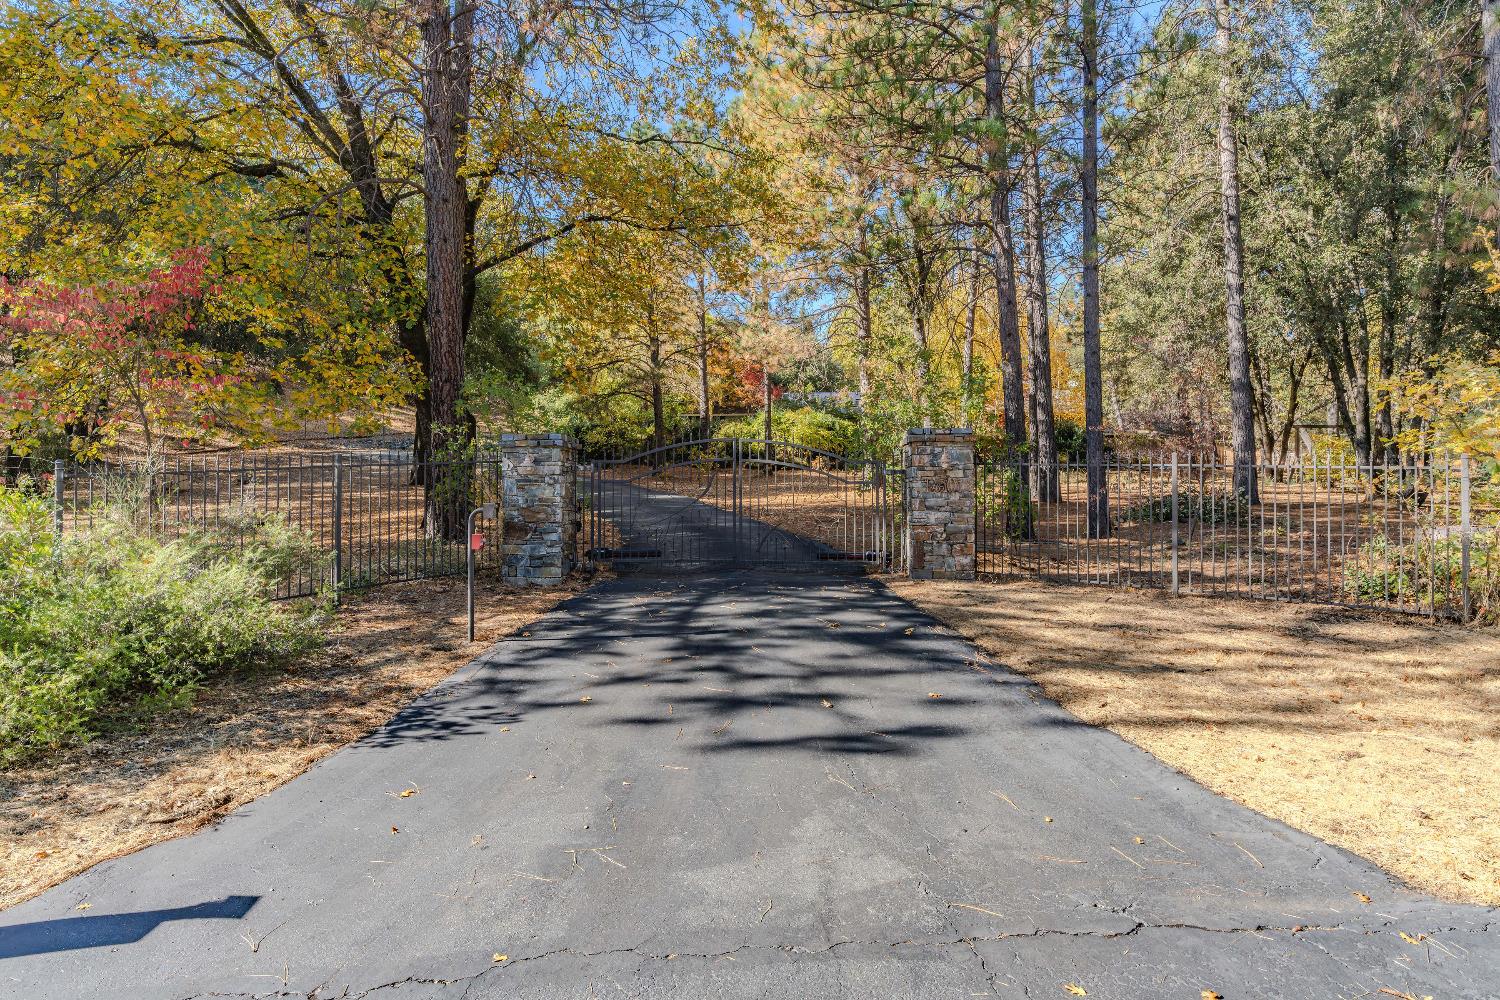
(476, 541)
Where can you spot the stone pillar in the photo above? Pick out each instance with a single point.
(939, 503)
(540, 475)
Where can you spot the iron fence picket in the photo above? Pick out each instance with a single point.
(367, 513)
(1390, 535)
(730, 499)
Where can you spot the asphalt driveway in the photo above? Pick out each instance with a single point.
(742, 785)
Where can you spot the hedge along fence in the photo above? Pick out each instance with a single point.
(368, 511)
(1412, 538)
(99, 628)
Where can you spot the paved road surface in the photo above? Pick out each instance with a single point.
(680, 529)
(742, 786)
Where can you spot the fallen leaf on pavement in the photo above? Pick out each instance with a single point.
(1211, 995)
(827, 703)
(1076, 990)
(1360, 896)
(85, 906)
(1413, 940)
(586, 698)
(500, 958)
(933, 694)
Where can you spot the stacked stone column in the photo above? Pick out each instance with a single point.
(940, 529)
(540, 476)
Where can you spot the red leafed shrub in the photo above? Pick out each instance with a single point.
(91, 360)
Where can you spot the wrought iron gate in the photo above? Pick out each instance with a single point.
(739, 501)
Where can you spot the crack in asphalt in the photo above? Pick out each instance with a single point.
(968, 941)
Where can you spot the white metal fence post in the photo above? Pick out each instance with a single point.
(1176, 587)
(338, 526)
(59, 471)
(1465, 534)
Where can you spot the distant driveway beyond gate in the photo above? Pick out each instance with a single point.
(740, 501)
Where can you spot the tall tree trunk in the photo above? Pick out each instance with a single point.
(1359, 385)
(765, 372)
(1007, 317)
(658, 414)
(1348, 371)
(1492, 80)
(1385, 351)
(863, 321)
(1295, 370)
(446, 37)
(924, 361)
(966, 405)
(658, 401)
(1039, 339)
(705, 410)
(919, 305)
(1093, 376)
(1435, 300)
(1275, 436)
(864, 317)
(765, 379)
(1264, 400)
(1241, 405)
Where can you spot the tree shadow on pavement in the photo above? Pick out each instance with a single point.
(719, 647)
(43, 937)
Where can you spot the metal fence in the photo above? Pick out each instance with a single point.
(744, 501)
(369, 514)
(1410, 538)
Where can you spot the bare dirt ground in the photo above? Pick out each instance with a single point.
(242, 736)
(1378, 734)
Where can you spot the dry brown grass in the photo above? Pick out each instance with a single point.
(242, 737)
(1380, 735)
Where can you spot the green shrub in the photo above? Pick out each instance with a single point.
(1204, 508)
(101, 627)
(803, 425)
(1071, 443)
(1384, 570)
(1008, 507)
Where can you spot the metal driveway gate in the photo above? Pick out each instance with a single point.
(740, 501)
